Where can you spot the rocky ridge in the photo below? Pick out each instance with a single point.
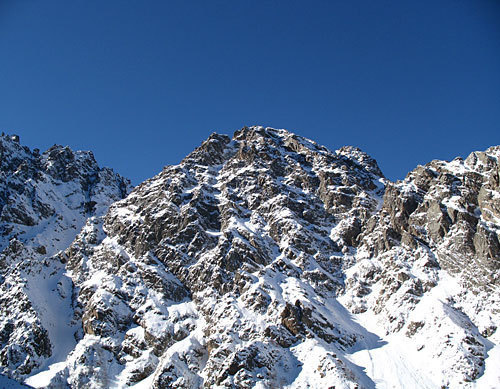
(266, 260)
(45, 200)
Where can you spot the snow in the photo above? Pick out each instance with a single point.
(398, 361)
(8, 383)
(50, 294)
(388, 360)
(214, 233)
(491, 376)
(316, 367)
(42, 379)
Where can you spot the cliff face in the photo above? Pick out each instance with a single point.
(261, 260)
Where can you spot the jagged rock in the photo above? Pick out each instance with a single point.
(291, 318)
(261, 260)
(42, 208)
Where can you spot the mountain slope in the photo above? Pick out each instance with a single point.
(266, 260)
(428, 267)
(45, 199)
(210, 265)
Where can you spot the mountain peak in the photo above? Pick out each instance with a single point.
(261, 260)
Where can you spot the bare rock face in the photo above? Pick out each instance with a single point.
(261, 260)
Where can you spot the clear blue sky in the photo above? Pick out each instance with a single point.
(142, 83)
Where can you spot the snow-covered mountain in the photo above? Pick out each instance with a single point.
(263, 260)
(45, 200)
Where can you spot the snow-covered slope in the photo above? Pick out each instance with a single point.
(45, 199)
(428, 268)
(265, 260)
(9, 383)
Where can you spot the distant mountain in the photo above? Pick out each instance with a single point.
(263, 260)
